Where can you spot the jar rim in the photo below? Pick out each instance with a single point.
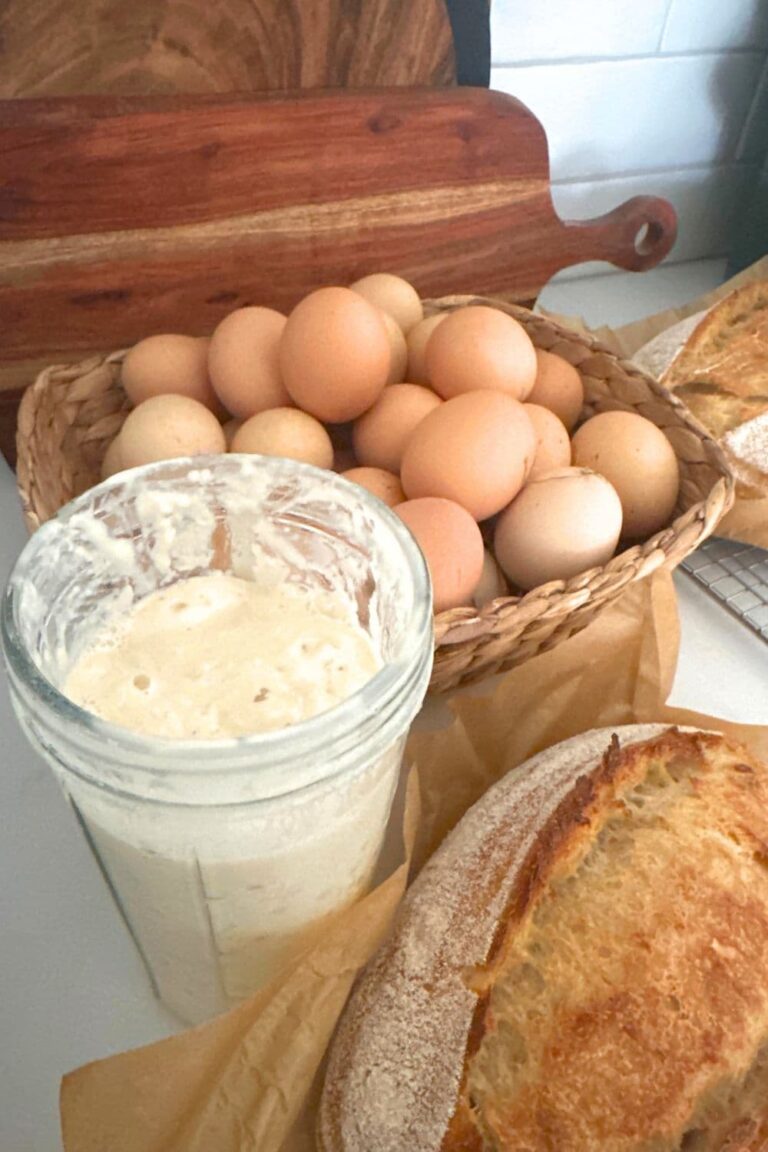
(379, 693)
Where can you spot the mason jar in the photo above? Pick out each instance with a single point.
(226, 857)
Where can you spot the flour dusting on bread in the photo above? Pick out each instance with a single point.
(747, 447)
(397, 1064)
(582, 966)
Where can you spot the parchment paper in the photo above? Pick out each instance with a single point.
(249, 1081)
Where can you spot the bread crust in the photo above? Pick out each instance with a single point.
(717, 363)
(400, 1065)
(721, 374)
(728, 349)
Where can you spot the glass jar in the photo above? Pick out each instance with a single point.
(224, 856)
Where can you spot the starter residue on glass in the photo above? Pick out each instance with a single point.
(216, 656)
(226, 859)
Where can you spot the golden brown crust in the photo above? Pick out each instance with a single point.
(568, 819)
(396, 1064)
(714, 1001)
(687, 1006)
(721, 372)
(748, 1136)
(562, 837)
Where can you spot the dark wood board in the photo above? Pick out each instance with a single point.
(123, 217)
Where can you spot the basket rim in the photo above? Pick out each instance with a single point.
(454, 626)
(451, 623)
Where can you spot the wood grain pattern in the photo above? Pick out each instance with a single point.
(119, 217)
(108, 164)
(52, 48)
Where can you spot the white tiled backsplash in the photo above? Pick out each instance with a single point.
(667, 97)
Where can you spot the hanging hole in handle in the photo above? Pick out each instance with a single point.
(647, 237)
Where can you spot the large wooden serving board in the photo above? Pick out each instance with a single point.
(154, 47)
(120, 217)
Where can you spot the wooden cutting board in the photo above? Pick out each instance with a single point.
(124, 217)
(146, 47)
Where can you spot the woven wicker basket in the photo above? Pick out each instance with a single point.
(70, 414)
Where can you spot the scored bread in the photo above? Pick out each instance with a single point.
(721, 371)
(582, 966)
(717, 363)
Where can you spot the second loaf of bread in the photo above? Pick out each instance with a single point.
(582, 966)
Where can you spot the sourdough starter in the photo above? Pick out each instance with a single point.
(217, 656)
(250, 639)
(210, 657)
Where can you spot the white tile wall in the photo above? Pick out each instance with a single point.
(623, 115)
(706, 200)
(696, 25)
(668, 97)
(523, 30)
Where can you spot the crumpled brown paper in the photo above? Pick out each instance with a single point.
(748, 518)
(249, 1081)
(622, 665)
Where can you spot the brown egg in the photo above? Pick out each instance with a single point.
(164, 427)
(452, 546)
(393, 295)
(385, 485)
(244, 364)
(474, 449)
(491, 584)
(113, 459)
(335, 354)
(169, 365)
(553, 444)
(558, 387)
(417, 340)
(640, 463)
(480, 347)
(397, 347)
(229, 428)
(286, 432)
(381, 434)
(562, 523)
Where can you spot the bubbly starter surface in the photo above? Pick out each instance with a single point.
(216, 656)
(219, 899)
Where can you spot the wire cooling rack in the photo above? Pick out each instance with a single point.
(737, 576)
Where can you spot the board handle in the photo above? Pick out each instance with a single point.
(636, 236)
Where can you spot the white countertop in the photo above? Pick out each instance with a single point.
(72, 988)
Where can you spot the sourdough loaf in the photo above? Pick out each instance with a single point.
(717, 363)
(582, 966)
